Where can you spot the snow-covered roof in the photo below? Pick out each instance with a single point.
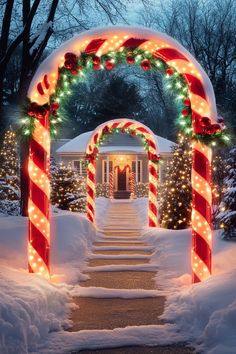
(79, 143)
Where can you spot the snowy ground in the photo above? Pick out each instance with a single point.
(33, 313)
(30, 307)
(205, 313)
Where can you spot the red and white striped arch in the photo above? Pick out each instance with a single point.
(101, 41)
(138, 128)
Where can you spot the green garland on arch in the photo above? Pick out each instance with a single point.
(76, 68)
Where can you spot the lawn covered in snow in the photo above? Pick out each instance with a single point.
(31, 307)
(205, 313)
(34, 312)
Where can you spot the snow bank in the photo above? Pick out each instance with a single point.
(151, 335)
(141, 204)
(204, 313)
(102, 206)
(172, 255)
(71, 240)
(30, 308)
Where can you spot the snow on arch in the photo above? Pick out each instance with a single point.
(109, 123)
(114, 37)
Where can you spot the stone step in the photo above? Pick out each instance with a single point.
(121, 209)
(101, 262)
(118, 243)
(167, 349)
(128, 247)
(119, 239)
(95, 313)
(126, 230)
(122, 224)
(122, 216)
(147, 253)
(121, 195)
(120, 229)
(114, 231)
(122, 235)
(120, 256)
(121, 280)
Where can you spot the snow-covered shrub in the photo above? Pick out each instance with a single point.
(102, 190)
(10, 207)
(68, 188)
(141, 190)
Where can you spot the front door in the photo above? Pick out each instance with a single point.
(121, 185)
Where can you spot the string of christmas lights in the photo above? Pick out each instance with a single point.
(197, 117)
(9, 167)
(76, 68)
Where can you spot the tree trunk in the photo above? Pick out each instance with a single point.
(24, 177)
(24, 153)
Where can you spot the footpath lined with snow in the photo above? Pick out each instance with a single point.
(102, 272)
(120, 299)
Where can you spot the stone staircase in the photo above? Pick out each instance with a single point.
(122, 195)
(120, 264)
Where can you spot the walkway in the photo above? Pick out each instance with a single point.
(119, 264)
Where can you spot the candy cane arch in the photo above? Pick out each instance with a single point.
(125, 125)
(98, 42)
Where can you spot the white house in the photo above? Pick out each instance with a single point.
(120, 152)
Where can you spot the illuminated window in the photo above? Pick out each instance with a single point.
(104, 170)
(137, 171)
(79, 165)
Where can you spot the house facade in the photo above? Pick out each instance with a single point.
(121, 155)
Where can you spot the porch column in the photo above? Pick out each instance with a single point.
(136, 168)
(107, 177)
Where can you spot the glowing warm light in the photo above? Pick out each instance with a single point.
(199, 104)
(91, 171)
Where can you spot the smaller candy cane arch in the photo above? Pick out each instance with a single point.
(130, 127)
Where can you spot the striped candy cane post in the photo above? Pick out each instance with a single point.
(39, 199)
(201, 167)
(91, 189)
(201, 212)
(111, 185)
(152, 194)
(91, 171)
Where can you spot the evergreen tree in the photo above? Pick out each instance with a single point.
(176, 194)
(101, 97)
(68, 189)
(227, 214)
(218, 176)
(9, 175)
(9, 167)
